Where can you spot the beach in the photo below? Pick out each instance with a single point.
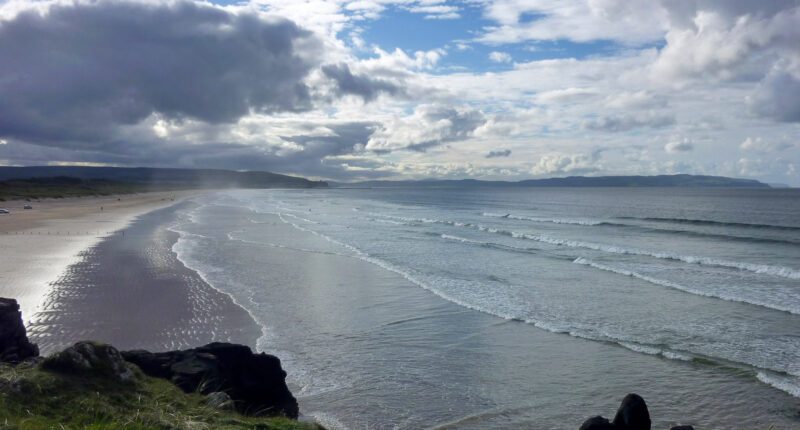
(39, 244)
(342, 288)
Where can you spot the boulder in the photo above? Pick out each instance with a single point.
(632, 414)
(597, 423)
(91, 358)
(14, 344)
(255, 382)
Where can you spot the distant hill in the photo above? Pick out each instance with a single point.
(187, 178)
(574, 181)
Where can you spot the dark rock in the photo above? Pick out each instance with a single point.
(14, 344)
(255, 382)
(597, 423)
(682, 428)
(90, 358)
(632, 414)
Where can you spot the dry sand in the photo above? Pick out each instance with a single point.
(37, 245)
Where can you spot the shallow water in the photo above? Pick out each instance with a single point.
(504, 308)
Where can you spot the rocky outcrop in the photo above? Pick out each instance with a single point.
(14, 344)
(255, 382)
(631, 415)
(90, 358)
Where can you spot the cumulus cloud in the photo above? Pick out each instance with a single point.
(81, 69)
(558, 163)
(626, 122)
(500, 57)
(681, 145)
(429, 126)
(495, 154)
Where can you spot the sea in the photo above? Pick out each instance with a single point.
(493, 308)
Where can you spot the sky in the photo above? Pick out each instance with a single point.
(350, 90)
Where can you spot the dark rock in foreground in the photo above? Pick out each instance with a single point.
(597, 423)
(14, 344)
(91, 358)
(255, 382)
(631, 415)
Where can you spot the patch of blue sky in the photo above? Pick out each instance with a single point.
(411, 32)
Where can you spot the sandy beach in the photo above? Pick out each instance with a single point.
(38, 244)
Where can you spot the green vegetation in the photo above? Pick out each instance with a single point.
(63, 186)
(33, 398)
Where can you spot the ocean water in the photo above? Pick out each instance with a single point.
(515, 308)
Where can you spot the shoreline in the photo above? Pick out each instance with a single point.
(132, 292)
(298, 314)
(40, 243)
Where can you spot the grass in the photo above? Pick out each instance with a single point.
(33, 398)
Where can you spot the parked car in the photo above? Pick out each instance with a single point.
(4, 211)
(27, 207)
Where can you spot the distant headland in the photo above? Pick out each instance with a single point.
(572, 181)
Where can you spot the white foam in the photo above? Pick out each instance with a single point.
(572, 221)
(664, 283)
(786, 384)
(780, 271)
(651, 350)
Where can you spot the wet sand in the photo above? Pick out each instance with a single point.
(132, 292)
(38, 244)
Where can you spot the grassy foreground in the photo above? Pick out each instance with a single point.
(33, 398)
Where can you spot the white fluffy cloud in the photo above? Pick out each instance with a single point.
(500, 57)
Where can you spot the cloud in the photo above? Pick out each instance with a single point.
(626, 122)
(683, 145)
(759, 145)
(300, 154)
(567, 95)
(430, 125)
(80, 70)
(495, 154)
(557, 164)
(500, 57)
(359, 85)
(436, 11)
(778, 96)
(642, 99)
(575, 20)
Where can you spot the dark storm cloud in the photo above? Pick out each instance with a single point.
(72, 76)
(495, 154)
(307, 159)
(359, 85)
